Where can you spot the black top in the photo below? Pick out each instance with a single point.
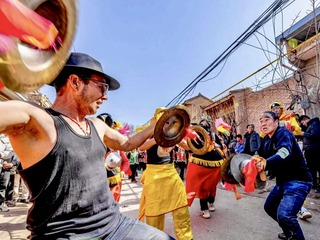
(252, 142)
(69, 191)
(154, 158)
(293, 167)
(311, 137)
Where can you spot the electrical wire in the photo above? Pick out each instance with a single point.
(270, 12)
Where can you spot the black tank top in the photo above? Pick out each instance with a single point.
(69, 189)
(154, 158)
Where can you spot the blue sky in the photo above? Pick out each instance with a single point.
(155, 48)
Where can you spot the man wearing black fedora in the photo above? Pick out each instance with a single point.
(62, 155)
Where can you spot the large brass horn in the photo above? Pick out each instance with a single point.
(25, 68)
(172, 126)
(199, 146)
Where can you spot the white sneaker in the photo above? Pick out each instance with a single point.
(211, 207)
(304, 214)
(205, 214)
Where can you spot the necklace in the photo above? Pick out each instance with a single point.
(85, 131)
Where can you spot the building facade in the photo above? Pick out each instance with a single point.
(195, 106)
(301, 46)
(299, 93)
(245, 106)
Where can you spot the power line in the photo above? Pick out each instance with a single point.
(271, 11)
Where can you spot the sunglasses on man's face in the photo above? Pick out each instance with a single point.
(104, 85)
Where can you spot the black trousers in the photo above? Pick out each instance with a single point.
(182, 166)
(313, 163)
(133, 168)
(204, 203)
(142, 166)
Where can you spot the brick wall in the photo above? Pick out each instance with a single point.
(252, 104)
(247, 105)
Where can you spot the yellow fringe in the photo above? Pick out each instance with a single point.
(206, 163)
(114, 179)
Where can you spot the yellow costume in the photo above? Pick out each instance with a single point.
(164, 192)
(288, 120)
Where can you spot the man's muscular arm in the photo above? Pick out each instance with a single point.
(30, 129)
(14, 115)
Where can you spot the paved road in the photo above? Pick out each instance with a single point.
(243, 219)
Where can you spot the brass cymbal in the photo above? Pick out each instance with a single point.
(172, 126)
(226, 174)
(198, 146)
(24, 68)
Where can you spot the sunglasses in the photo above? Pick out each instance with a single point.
(103, 84)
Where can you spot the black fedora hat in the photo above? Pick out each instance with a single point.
(80, 62)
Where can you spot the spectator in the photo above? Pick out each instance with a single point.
(22, 196)
(10, 200)
(239, 148)
(142, 158)
(134, 163)
(232, 145)
(180, 160)
(7, 165)
(311, 146)
(252, 140)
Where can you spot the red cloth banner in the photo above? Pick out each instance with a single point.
(21, 22)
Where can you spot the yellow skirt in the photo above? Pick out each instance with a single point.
(163, 191)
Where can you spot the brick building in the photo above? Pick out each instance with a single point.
(299, 93)
(301, 43)
(195, 106)
(244, 106)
